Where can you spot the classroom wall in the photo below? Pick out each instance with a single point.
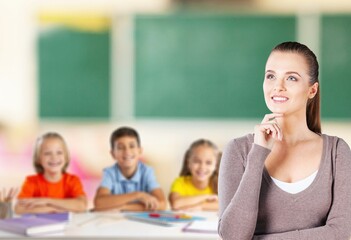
(164, 139)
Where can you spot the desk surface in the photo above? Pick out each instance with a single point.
(115, 226)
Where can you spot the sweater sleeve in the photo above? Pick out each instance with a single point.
(338, 224)
(239, 189)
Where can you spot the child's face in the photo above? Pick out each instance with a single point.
(202, 163)
(52, 155)
(126, 152)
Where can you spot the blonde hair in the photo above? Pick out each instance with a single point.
(36, 156)
(185, 171)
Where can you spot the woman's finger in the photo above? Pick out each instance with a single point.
(271, 116)
(277, 131)
(272, 129)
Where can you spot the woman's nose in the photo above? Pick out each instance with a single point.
(279, 85)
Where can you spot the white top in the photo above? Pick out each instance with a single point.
(295, 187)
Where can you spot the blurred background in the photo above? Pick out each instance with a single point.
(175, 70)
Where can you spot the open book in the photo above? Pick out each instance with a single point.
(33, 225)
(207, 226)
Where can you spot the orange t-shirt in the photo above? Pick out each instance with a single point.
(37, 186)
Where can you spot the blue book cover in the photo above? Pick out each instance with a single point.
(32, 226)
(163, 218)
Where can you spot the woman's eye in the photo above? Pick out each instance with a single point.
(270, 76)
(291, 78)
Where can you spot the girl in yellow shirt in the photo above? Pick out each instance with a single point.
(196, 186)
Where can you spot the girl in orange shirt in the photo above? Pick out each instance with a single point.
(52, 189)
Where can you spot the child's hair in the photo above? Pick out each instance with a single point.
(122, 132)
(185, 171)
(36, 156)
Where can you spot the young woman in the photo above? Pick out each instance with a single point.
(287, 180)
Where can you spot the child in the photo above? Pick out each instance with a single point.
(128, 184)
(196, 188)
(52, 189)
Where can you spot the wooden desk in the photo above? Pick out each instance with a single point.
(115, 226)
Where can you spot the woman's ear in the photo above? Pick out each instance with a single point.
(313, 90)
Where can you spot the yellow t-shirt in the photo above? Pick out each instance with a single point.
(185, 187)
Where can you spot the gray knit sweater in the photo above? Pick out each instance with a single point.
(251, 206)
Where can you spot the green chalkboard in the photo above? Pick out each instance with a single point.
(336, 66)
(74, 74)
(204, 66)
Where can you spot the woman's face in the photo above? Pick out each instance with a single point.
(286, 84)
